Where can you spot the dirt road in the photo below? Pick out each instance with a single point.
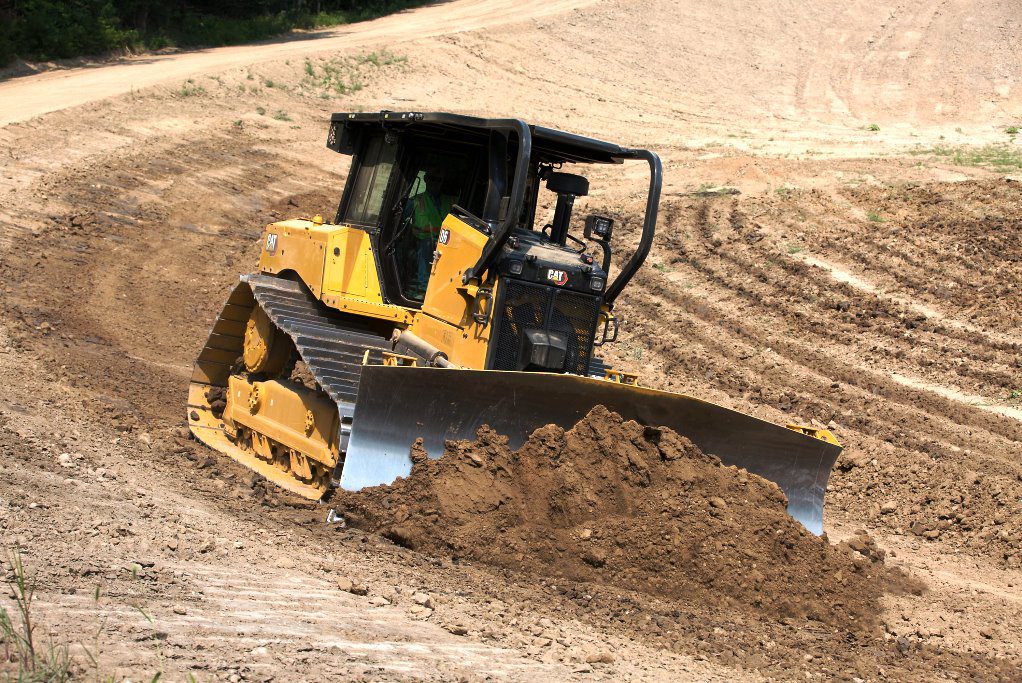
(27, 97)
(862, 279)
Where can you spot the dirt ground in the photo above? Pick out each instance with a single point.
(825, 255)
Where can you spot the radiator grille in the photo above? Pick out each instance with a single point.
(525, 305)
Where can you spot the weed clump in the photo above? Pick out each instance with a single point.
(1001, 156)
(190, 89)
(21, 652)
(347, 75)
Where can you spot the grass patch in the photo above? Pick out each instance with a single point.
(24, 657)
(795, 249)
(711, 190)
(873, 128)
(190, 89)
(1011, 130)
(347, 75)
(662, 267)
(875, 217)
(381, 58)
(1001, 156)
(281, 115)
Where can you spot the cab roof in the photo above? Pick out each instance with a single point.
(548, 145)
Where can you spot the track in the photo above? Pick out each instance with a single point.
(333, 347)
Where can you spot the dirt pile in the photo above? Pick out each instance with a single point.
(616, 503)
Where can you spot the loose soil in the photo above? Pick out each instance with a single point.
(639, 509)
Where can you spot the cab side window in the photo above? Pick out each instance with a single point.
(376, 164)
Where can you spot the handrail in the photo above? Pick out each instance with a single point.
(656, 173)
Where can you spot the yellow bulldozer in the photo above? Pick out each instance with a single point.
(434, 303)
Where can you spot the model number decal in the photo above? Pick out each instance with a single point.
(445, 235)
(558, 277)
(271, 243)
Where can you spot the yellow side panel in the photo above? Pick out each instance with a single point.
(351, 281)
(465, 346)
(350, 268)
(335, 262)
(297, 245)
(459, 248)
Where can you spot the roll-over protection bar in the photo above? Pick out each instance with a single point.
(503, 230)
(656, 180)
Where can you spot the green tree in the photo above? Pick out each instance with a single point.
(50, 29)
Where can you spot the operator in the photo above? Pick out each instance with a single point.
(428, 209)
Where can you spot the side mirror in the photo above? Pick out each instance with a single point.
(599, 227)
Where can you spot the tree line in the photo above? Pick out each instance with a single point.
(56, 29)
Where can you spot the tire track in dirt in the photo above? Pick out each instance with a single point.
(907, 61)
(935, 244)
(292, 617)
(960, 243)
(902, 427)
(898, 331)
(806, 305)
(796, 354)
(950, 327)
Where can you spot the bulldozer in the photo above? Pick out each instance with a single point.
(434, 303)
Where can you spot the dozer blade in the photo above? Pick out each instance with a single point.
(396, 405)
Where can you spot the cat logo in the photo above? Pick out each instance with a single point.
(271, 243)
(558, 277)
(445, 235)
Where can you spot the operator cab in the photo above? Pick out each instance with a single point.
(400, 189)
(406, 179)
(411, 170)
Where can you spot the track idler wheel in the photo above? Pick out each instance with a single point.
(266, 350)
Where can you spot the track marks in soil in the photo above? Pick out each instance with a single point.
(955, 246)
(136, 273)
(293, 615)
(958, 396)
(731, 308)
